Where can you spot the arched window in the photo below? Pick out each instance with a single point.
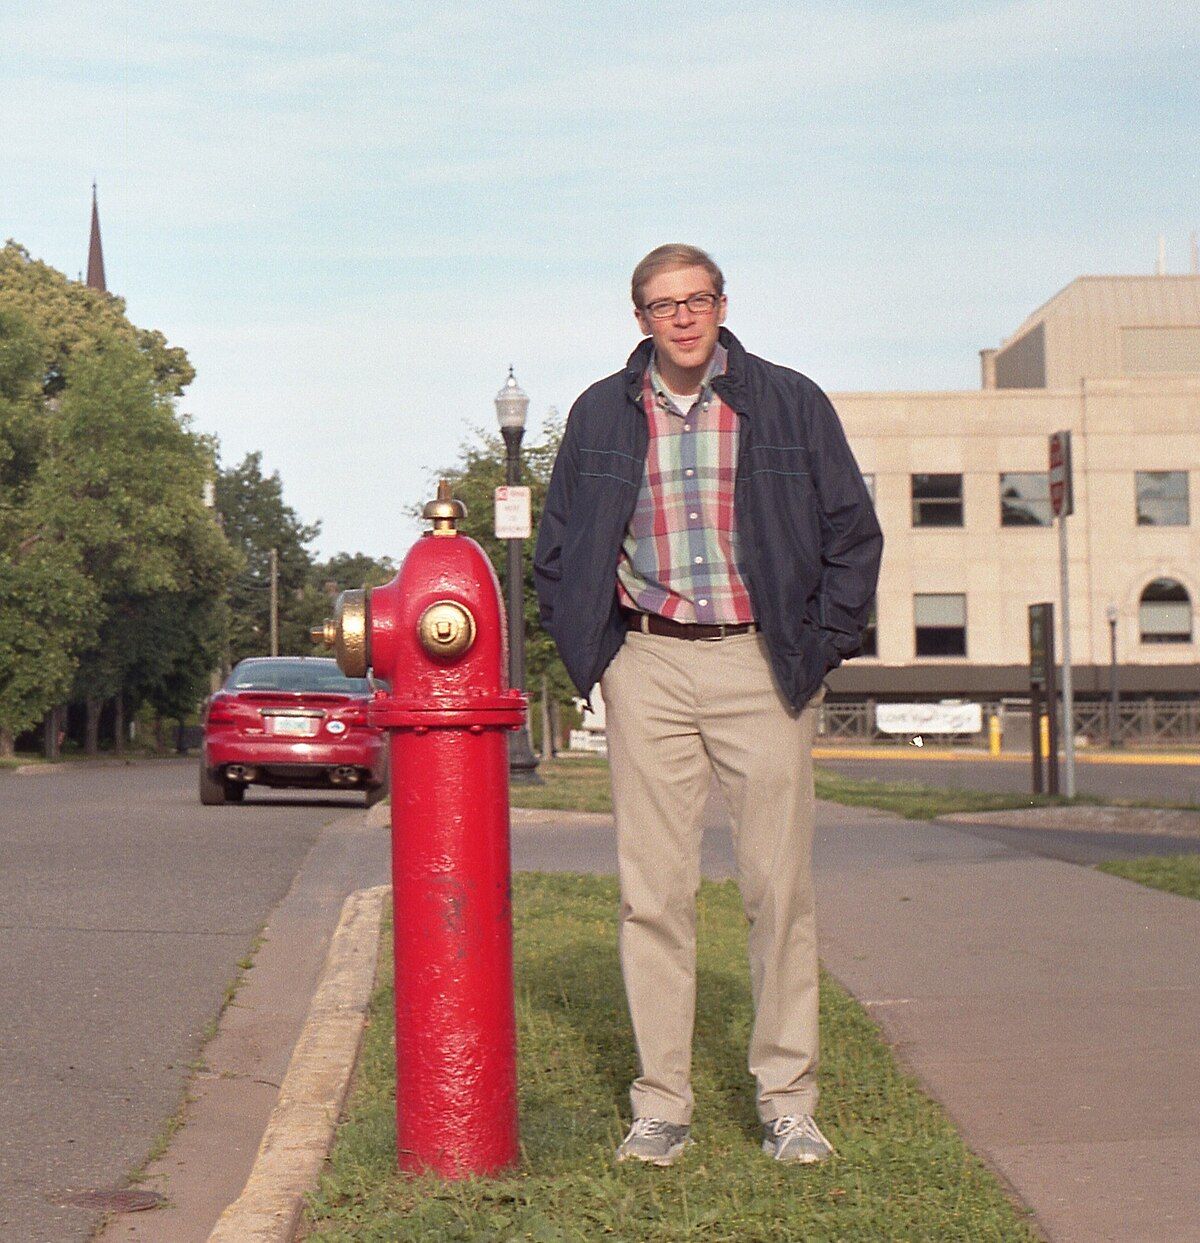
(1165, 612)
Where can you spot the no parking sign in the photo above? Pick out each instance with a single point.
(1062, 499)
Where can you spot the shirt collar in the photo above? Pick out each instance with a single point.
(716, 367)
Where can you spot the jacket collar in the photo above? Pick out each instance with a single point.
(730, 387)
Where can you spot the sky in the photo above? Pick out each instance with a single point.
(355, 218)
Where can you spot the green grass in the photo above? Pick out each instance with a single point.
(1173, 873)
(582, 785)
(577, 784)
(914, 801)
(901, 1172)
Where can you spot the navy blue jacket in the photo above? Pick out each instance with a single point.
(808, 541)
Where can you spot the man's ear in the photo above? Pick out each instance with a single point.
(642, 322)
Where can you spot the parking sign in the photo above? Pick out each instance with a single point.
(513, 517)
(1062, 499)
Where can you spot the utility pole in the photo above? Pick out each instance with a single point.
(1062, 503)
(274, 601)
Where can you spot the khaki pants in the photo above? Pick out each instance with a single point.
(677, 711)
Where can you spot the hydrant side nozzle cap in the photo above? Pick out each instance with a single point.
(445, 512)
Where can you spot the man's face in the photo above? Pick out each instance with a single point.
(687, 339)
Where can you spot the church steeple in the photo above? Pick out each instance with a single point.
(95, 271)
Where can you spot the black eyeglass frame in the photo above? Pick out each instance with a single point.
(709, 303)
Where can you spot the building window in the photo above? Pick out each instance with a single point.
(1165, 612)
(941, 624)
(1162, 498)
(1025, 499)
(870, 638)
(937, 501)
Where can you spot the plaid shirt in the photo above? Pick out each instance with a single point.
(679, 556)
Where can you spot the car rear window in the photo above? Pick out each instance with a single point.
(295, 675)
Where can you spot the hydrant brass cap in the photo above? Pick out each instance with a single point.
(445, 512)
(351, 644)
(446, 628)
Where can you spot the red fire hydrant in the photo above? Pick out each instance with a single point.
(436, 633)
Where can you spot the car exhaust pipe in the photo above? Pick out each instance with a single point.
(344, 775)
(241, 772)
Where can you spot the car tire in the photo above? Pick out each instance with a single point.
(234, 791)
(212, 788)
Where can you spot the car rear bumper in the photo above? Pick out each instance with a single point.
(288, 762)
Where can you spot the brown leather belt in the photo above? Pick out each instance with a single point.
(651, 623)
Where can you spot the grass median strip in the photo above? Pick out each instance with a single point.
(1179, 874)
(901, 1172)
(581, 784)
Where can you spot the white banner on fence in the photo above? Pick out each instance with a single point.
(585, 740)
(929, 718)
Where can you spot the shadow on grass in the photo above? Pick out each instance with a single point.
(578, 990)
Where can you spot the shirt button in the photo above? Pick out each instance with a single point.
(702, 602)
(687, 427)
(699, 560)
(689, 472)
(693, 516)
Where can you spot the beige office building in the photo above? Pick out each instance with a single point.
(960, 483)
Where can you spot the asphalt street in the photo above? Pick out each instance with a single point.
(125, 907)
(1136, 782)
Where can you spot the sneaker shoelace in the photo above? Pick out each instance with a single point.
(649, 1126)
(800, 1124)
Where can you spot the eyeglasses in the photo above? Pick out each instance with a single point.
(698, 304)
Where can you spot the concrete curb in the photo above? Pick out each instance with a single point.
(300, 1131)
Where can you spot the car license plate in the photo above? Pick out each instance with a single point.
(293, 726)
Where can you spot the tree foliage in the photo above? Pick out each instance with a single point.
(46, 600)
(71, 318)
(112, 573)
(256, 520)
(123, 483)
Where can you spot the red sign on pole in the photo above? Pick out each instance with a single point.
(1062, 499)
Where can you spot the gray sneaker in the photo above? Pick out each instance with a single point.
(795, 1137)
(654, 1141)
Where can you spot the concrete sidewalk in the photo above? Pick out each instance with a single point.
(1054, 1011)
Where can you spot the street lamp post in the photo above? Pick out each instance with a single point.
(1114, 720)
(512, 404)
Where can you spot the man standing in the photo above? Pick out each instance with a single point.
(707, 553)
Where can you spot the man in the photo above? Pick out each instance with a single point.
(707, 553)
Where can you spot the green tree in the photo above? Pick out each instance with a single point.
(72, 318)
(474, 479)
(122, 484)
(46, 602)
(101, 517)
(257, 520)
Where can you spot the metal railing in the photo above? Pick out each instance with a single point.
(1140, 723)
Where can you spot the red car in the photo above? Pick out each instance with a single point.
(291, 721)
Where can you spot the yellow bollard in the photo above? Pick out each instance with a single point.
(994, 734)
(1044, 730)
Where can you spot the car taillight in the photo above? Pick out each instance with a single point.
(222, 712)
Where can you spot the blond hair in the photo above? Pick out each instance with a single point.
(669, 258)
